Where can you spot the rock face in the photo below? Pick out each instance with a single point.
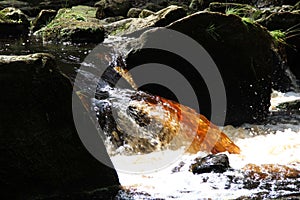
(158, 19)
(243, 53)
(112, 8)
(13, 22)
(75, 25)
(211, 163)
(41, 153)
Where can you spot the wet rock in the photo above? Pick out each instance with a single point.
(134, 12)
(244, 54)
(13, 22)
(145, 13)
(290, 106)
(270, 172)
(160, 18)
(40, 148)
(76, 24)
(43, 18)
(112, 8)
(211, 163)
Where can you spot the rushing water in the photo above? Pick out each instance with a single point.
(277, 142)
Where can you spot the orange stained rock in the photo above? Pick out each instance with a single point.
(270, 171)
(208, 137)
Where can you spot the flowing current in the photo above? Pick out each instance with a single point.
(272, 149)
(273, 143)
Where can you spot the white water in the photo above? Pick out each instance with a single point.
(271, 144)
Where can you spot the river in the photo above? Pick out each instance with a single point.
(275, 142)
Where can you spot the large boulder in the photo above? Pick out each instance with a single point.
(243, 52)
(41, 153)
(158, 19)
(13, 22)
(76, 24)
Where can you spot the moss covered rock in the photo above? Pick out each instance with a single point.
(76, 24)
(41, 153)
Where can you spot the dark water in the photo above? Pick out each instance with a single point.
(68, 56)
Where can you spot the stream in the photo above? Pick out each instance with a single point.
(276, 142)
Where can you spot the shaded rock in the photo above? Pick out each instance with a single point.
(153, 7)
(76, 24)
(145, 13)
(43, 18)
(281, 21)
(160, 18)
(112, 8)
(244, 54)
(242, 10)
(13, 22)
(202, 4)
(211, 163)
(13, 3)
(288, 23)
(268, 3)
(40, 148)
(134, 12)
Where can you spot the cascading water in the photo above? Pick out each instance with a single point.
(268, 165)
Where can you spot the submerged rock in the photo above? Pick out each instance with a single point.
(41, 153)
(211, 163)
(76, 24)
(13, 22)
(160, 18)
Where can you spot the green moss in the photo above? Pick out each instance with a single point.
(121, 29)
